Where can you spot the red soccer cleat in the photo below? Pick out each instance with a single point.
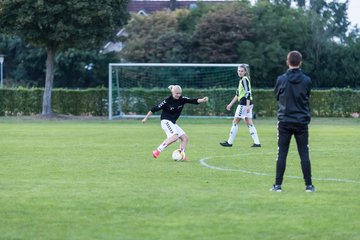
(156, 153)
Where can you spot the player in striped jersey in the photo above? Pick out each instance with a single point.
(171, 110)
(243, 110)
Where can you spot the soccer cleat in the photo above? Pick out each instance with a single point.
(156, 153)
(276, 188)
(225, 144)
(310, 188)
(256, 145)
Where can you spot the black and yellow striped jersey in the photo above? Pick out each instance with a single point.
(244, 91)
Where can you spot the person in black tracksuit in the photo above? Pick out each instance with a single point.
(292, 91)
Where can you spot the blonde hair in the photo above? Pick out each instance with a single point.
(174, 87)
(247, 70)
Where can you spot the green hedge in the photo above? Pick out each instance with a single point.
(324, 103)
(335, 102)
(90, 102)
(94, 102)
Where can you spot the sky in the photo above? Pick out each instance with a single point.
(354, 12)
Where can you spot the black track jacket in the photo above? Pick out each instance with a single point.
(292, 91)
(171, 108)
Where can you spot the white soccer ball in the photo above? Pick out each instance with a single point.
(178, 155)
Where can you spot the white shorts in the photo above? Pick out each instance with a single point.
(241, 112)
(171, 129)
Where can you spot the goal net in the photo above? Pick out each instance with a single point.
(134, 88)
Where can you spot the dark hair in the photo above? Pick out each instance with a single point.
(294, 58)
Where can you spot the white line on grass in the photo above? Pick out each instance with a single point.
(205, 164)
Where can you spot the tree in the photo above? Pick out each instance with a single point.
(219, 32)
(61, 24)
(82, 69)
(300, 3)
(187, 22)
(329, 27)
(260, 34)
(207, 33)
(318, 29)
(173, 5)
(24, 62)
(157, 38)
(75, 68)
(277, 30)
(350, 63)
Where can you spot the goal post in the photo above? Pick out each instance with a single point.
(135, 87)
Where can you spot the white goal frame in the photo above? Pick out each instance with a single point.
(112, 65)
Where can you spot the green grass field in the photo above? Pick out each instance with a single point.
(96, 179)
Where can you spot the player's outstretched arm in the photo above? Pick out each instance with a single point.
(203, 100)
(146, 117)
(228, 107)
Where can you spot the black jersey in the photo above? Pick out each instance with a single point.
(292, 91)
(171, 108)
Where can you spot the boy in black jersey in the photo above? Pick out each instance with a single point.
(171, 109)
(292, 91)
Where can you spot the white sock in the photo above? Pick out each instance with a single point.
(162, 147)
(253, 134)
(233, 133)
(182, 148)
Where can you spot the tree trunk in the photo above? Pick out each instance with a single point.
(49, 79)
(173, 5)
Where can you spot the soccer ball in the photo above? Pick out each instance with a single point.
(178, 155)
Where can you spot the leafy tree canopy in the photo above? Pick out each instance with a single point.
(61, 24)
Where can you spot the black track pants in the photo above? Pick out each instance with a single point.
(301, 133)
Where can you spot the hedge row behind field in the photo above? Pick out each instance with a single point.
(324, 103)
(94, 102)
(18, 102)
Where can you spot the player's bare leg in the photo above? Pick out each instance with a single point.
(184, 141)
(164, 144)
